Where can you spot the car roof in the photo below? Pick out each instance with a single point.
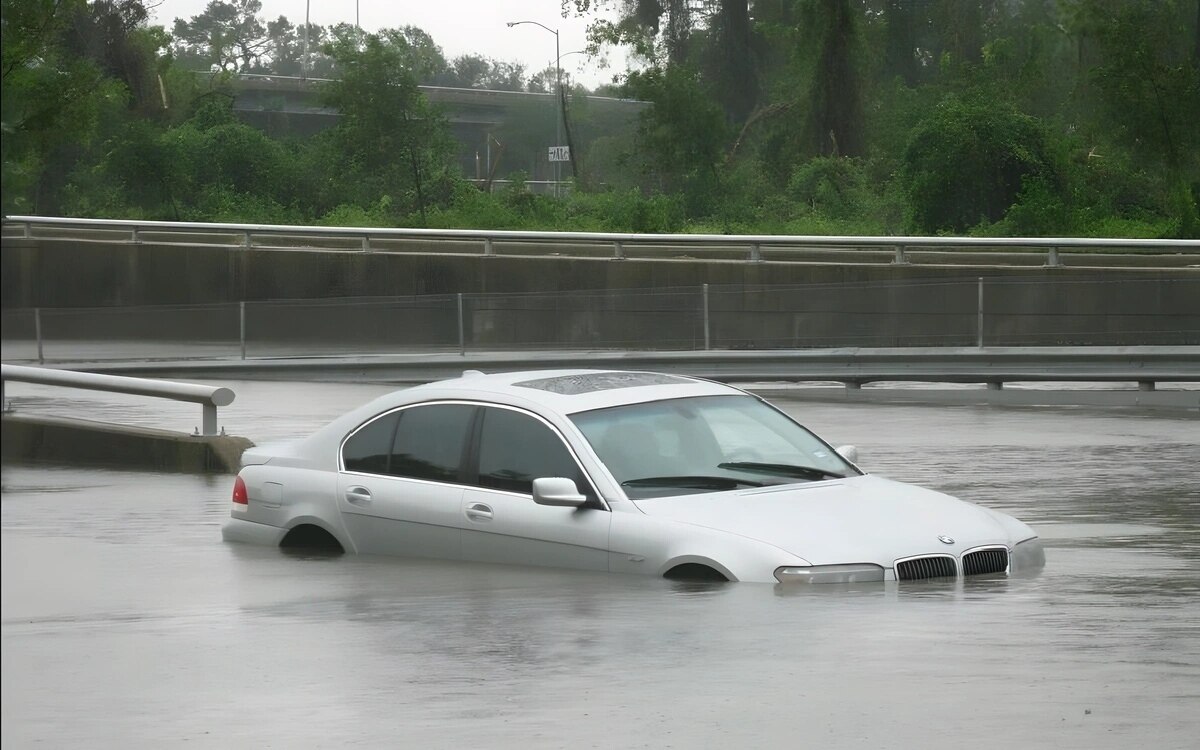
(570, 391)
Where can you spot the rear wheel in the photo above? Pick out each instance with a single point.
(311, 539)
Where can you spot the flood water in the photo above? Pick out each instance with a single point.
(128, 623)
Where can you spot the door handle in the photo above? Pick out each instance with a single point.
(479, 512)
(358, 495)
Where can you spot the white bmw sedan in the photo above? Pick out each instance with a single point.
(627, 472)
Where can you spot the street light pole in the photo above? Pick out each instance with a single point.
(558, 123)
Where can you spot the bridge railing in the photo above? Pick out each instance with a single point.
(209, 397)
(613, 245)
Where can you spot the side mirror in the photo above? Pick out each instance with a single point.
(557, 491)
(848, 452)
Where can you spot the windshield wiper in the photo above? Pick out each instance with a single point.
(693, 482)
(787, 470)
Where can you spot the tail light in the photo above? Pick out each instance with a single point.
(240, 496)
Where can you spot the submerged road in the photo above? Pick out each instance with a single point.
(127, 622)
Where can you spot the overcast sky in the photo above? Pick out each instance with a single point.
(457, 26)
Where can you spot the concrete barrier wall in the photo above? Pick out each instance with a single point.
(76, 441)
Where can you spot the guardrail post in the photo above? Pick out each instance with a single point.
(246, 240)
(707, 338)
(208, 420)
(901, 258)
(134, 236)
(1053, 261)
(242, 325)
(37, 332)
(979, 316)
(1145, 385)
(462, 336)
(488, 249)
(27, 229)
(366, 243)
(995, 385)
(618, 250)
(755, 253)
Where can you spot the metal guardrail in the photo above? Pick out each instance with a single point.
(756, 248)
(853, 367)
(209, 397)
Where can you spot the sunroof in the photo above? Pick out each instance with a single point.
(573, 385)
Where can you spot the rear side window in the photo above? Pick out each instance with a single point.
(429, 443)
(515, 449)
(369, 450)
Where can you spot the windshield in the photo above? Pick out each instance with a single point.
(706, 444)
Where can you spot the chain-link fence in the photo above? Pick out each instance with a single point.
(1007, 311)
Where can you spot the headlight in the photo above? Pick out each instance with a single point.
(1027, 557)
(830, 573)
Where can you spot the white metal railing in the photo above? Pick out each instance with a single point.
(754, 246)
(209, 397)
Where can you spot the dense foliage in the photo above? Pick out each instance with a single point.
(1012, 117)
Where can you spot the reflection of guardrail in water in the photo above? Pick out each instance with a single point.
(751, 248)
(209, 397)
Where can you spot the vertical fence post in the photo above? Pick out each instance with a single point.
(462, 337)
(707, 337)
(37, 332)
(979, 316)
(242, 326)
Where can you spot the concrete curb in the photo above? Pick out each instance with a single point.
(78, 441)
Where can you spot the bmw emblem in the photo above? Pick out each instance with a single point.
(946, 539)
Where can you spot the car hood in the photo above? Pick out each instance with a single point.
(857, 519)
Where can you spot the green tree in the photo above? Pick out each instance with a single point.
(968, 161)
(392, 141)
(56, 95)
(1149, 79)
(682, 136)
(227, 35)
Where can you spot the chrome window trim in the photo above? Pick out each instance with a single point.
(342, 445)
(463, 402)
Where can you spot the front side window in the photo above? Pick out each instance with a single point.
(515, 449)
(705, 444)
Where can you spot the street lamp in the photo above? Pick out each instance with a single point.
(558, 117)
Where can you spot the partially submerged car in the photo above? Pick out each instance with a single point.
(627, 472)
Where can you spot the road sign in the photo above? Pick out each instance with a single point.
(560, 153)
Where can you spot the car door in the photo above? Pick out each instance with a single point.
(500, 520)
(400, 488)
